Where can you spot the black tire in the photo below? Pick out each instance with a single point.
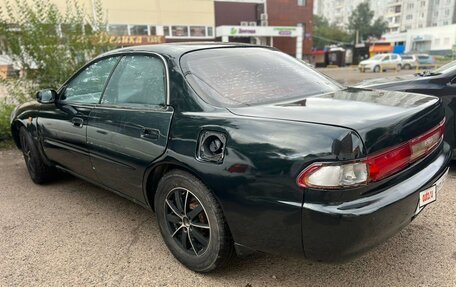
(376, 69)
(37, 169)
(407, 67)
(398, 68)
(199, 249)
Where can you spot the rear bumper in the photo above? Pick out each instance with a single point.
(338, 232)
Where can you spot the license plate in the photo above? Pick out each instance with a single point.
(429, 195)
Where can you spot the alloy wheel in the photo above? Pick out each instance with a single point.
(187, 221)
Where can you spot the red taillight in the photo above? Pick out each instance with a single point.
(393, 160)
(388, 162)
(373, 168)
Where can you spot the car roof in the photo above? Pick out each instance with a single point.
(178, 49)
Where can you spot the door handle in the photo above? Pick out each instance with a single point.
(77, 122)
(152, 134)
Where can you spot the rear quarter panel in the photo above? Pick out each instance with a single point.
(261, 202)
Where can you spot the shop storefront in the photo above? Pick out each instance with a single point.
(262, 35)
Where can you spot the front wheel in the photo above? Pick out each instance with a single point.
(192, 223)
(376, 69)
(37, 168)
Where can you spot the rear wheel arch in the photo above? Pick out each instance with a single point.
(15, 127)
(156, 173)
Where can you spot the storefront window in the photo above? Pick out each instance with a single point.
(166, 30)
(198, 31)
(138, 30)
(153, 30)
(118, 30)
(210, 31)
(180, 31)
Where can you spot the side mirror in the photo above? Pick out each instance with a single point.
(47, 96)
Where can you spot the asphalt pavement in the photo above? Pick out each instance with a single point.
(350, 75)
(71, 232)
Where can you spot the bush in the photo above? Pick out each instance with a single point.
(5, 112)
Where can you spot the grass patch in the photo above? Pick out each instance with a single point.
(7, 144)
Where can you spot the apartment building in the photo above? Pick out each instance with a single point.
(404, 15)
(393, 15)
(339, 11)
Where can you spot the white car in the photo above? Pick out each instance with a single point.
(409, 62)
(381, 62)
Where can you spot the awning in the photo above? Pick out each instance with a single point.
(381, 49)
(318, 52)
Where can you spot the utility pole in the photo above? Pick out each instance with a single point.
(266, 9)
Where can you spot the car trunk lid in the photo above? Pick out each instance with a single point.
(382, 118)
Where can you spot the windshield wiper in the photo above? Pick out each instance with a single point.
(427, 73)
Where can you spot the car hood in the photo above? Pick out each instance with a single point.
(381, 118)
(368, 62)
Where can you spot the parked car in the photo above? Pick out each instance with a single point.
(440, 83)
(409, 62)
(381, 62)
(425, 61)
(240, 148)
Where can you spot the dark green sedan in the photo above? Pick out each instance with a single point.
(240, 148)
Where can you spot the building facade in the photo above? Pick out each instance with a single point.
(283, 24)
(175, 20)
(404, 15)
(437, 40)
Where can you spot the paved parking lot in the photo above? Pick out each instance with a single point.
(350, 75)
(73, 233)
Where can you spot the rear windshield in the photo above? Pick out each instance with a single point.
(231, 77)
(407, 57)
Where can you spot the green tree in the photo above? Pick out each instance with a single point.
(48, 44)
(325, 33)
(378, 27)
(361, 21)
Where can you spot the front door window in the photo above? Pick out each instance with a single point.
(87, 86)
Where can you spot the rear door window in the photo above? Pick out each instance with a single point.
(137, 81)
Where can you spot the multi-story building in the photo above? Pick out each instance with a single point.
(438, 40)
(442, 13)
(339, 11)
(393, 13)
(404, 15)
